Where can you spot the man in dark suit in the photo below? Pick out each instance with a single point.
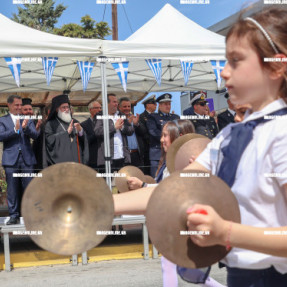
(150, 107)
(89, 125)
(155, 123)
(135, 141)
(227, 116)
(18, 156)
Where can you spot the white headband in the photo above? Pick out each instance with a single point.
(264, 33)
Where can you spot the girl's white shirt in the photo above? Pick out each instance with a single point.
(258, 186)
(165, 175)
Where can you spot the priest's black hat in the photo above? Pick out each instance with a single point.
(59, 100)
(56, 103)
(26, 101)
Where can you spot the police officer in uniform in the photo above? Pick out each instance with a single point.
(150, 107)
(227, 116)
(199, 116)
(155, 123)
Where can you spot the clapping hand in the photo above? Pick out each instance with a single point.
(17, 125)
(70, 128)
(119, 124)
(25, 123)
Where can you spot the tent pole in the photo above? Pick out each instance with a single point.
(106, 122)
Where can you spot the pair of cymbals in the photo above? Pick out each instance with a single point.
(70, 206)
(130, 171)
(166, 216)
(183, 148)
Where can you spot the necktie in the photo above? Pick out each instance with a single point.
(241, 135)
(160, 173)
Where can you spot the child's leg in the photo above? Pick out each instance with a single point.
(169, 274)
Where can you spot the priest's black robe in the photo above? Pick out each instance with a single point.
(60, 146)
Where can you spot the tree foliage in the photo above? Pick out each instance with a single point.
(45, 16)
(89, 29)
(40, 16)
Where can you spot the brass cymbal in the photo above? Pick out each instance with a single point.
(193, 147)
(149, 179)
(174, 147)
(166, 216)
(129, 170)
(69, 204)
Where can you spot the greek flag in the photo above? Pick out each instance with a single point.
(122, 71)
(218, 66)
(186, 68)
(155, 66)
(49, 64)
(86, 69)
(14, 65)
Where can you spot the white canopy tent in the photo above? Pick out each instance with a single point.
(169, 35)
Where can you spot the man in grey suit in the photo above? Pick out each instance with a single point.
(18, 158)
(88, 125)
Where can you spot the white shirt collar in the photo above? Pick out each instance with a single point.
(14, 117)
(199, 114)
(272, 107)
(231, 111)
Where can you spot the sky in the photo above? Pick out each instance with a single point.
(135, 13)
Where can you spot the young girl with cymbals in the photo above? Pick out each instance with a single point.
(251, 157)
(171, 131)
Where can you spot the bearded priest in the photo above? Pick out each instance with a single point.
(65, 139)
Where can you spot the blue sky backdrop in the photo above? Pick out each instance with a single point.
(135, 13)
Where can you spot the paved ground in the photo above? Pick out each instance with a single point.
(128, 273)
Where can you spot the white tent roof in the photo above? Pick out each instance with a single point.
(170, 26)
(22, 41)
(169, 35)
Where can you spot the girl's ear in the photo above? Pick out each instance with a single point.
(279, 66)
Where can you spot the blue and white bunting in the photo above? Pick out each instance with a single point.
(122, 71)
(186, 68)
(217, 67)
(86, 69)
(14, 65)
(49, 64)
(155, 66)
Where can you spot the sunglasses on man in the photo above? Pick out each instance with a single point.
(202, 103)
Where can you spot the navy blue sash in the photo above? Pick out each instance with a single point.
(241, 135)
(160, 173)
